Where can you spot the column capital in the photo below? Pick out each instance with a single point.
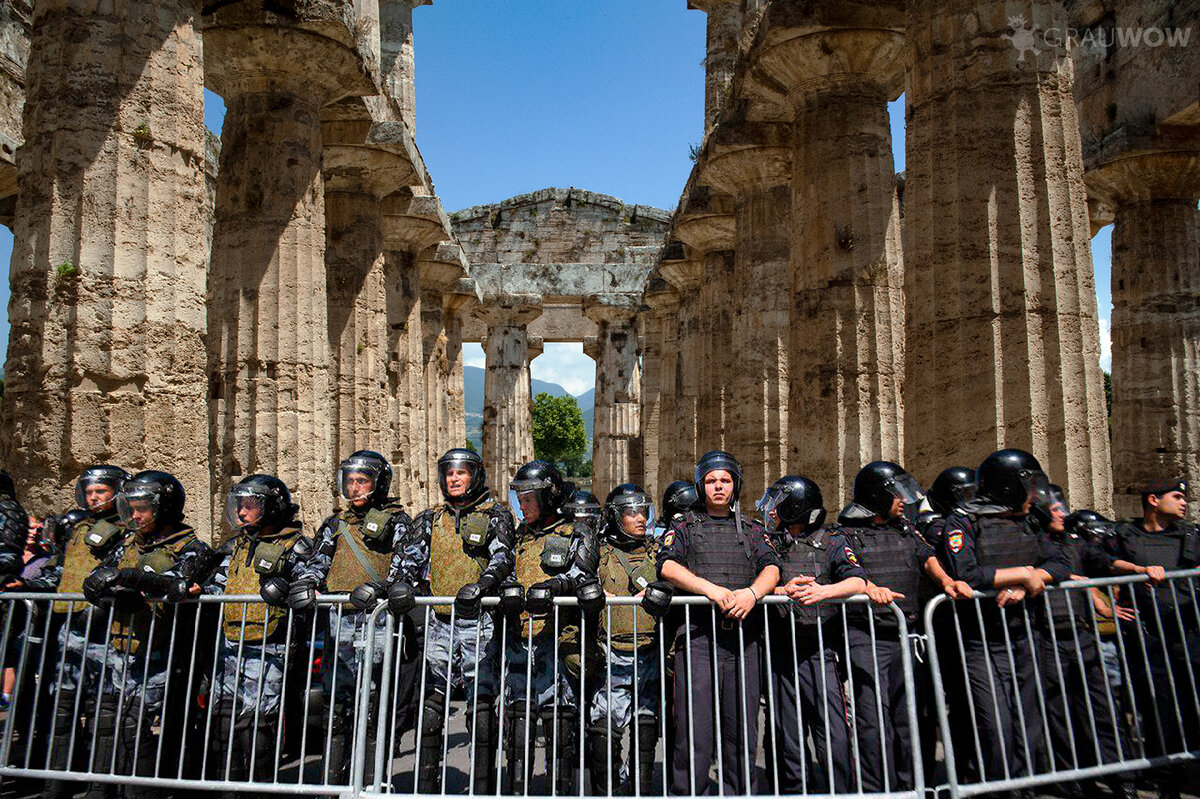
(414, 221)
(661, 296)
(612, 308)
(1147, 176)
(805, 55)
(534, 346)
(591, 347)
(442, 266)
(508, 310)
(749, 158)
(364, 170)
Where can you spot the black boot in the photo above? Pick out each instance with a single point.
(596, 750)
(429, 766)
(485, 748)
(137, 748)
(60, 747)
(567, 757)
(105, 726)
(337, 766)
(516, 766)
(647, 746)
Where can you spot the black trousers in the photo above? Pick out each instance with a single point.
(1161, 674)
(719, 665)
(881, 721)
(1003, 693)
(1079, 712)
(807, 704)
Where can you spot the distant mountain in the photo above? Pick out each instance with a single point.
(473, 388)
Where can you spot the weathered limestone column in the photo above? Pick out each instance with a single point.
(507, 404)
(1155, 320)
(397, 64)
(406, 389)
(720, 59)
(618, 391)
(752, 163)
(685, 274)
(268, 321)
(660, 356)
(457, 306)
(106, 354)
(1003, 337)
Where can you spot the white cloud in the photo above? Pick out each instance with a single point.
(566, 365)
(1105, 345)
(473, 355)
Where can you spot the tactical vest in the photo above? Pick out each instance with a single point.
(1177, 547)
(627, 572)
(806, 556)
(535, 563)
(1062, 605)
(346, 573)
(250, 558)
(79, 560)
(886, 554)
(1001, 543)
(717, 553)
(458, 547)
(130, 630)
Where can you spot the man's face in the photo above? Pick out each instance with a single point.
(1058, 517)
(633, 520)
(458, 480)
(359, 486)
(250, 511)
(718, 488)
(1172, 503)
(141, 512)
(99, 497)
(897, 509)
(531, 509)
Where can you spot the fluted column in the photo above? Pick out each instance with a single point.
(685, 275)
(507, 404)
(268, 316)
(659, 358)
(721, 52)
(457, 306)
(397, 62)
(1155, 320)
(406, 389)
(1003, 335)
(618, 391)
(106, 353)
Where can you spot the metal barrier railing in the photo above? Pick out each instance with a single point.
(1045, 691)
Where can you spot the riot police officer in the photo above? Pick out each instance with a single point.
(81, 636)
(1159, 621)
(159, 557)
(267, 545)
(627, 689)
(352, 552)
(952, 488)
(461, 548)
(896, 559)
(807, 697)
(989, 545)
(555, 557)
(679, 497)
(722, 554)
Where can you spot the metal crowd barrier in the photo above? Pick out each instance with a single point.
(1048, 691)
(815, 701)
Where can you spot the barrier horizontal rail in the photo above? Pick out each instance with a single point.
(1037, 693)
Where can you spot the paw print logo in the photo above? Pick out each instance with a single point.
(1022, 37)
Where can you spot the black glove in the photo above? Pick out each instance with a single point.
(275, 592)
(177, 591)
(152, 584)
(400, 598)
(10, 562)
(657, 599)
(98, 586)
(366, 596)
(590, 595)
(512, 598)
(540, 596)
(468, 598)
(302, 595)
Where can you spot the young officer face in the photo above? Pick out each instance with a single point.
(99, 497)
(1172, 503)
(141, 513)
(718, 488)
(634, 522)
(358, 488)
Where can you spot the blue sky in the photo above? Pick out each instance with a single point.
(606, 96)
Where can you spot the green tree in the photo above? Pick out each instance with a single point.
(558, 431)
(470, 445)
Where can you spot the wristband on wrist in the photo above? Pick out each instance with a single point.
(754, 593)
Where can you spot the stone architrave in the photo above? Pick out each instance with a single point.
(106, 353)
(1155, 319)
(1003, 338)
(268, 313)
(618, 391)
(507, 404)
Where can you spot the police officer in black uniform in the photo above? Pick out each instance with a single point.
(953, 488)
(989, 545)
(806, 688)
(679, 497)
(724, 555)
(895, 558)
(1159, 622)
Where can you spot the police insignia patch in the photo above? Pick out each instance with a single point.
(850, 556)
(669, 539)
(955, 541)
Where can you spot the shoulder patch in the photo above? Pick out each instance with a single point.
(850, 556)
(669, 538)
(954, 540)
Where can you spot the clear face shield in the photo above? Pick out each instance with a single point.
(138, 510)
(525, 500)
(456, 477)
(766, 507)
(244, 509)
(94, 494)
(906, 489)
(357, 478)
(636, 516)
(1037, 489)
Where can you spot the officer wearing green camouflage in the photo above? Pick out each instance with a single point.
(266, 544)
(161, 558)
(462, 548)
(352, 552)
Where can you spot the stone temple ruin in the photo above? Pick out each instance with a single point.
(274, 300)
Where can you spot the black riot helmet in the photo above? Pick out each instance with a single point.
(953, 487)
(794, 500)
(463, 458)
(679, 497)
(374, 466)
(71, 518)
(537, 492)
(583, 506)
(1011, 477)
(880, 482)
(714, 461)
(7, 487)
(628, 500)
(258, 502)
(1089, 525)
(155, 491)
(104, 474)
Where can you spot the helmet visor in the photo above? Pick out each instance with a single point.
(1037, 489)
(244, 508)
(526, 504)
(139, 509)
(95, 493)
(766, 507)
(635, 516)
(905, 488)
(357, 478)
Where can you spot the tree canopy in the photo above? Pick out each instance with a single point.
(558, 430)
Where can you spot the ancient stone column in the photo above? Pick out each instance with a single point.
(406, 387)
(683, 426)
(507, 404)
(106, 354)
(752, 164)
(1003, 338)
(618, 390)
(720, 60)
(1155, 320)
(268, 321)
(457, 306)
(397, 64)
(659, 358)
